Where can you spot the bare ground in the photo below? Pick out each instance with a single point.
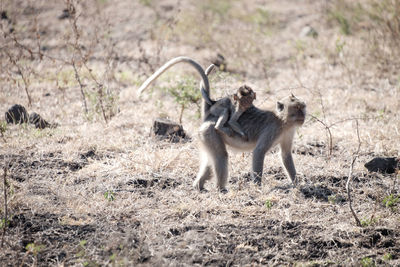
(91, 192)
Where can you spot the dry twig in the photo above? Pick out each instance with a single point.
(350, 177)
(81, 86)
(24, 78)
(328, 130)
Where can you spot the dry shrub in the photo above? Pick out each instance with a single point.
(377, 23)
(208, 24)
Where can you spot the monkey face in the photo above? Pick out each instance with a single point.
(292, 110)
(298, 113)
(245, 97)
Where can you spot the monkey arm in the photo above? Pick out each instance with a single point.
(287, 160)
(286, 154)
(234, 124)
(264, 143)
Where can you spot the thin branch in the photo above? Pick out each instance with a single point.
(21, 73)
(100, 92)
(81, 85)
(351, 176)
(330, 146)
(38, 39)
(181, 114)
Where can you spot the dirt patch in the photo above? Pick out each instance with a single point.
(161, 183)
(26, 167)
(318, 192)
(46, 239)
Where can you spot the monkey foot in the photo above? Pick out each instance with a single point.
(257, 180)
(294, 183)
(223, 190)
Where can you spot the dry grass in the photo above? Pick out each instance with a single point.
(99, 190)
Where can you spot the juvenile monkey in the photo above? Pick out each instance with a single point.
(232, 107)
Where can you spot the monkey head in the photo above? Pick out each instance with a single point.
(292, 110)
(245, 96)
(245, 91)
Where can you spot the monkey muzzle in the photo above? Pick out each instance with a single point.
(300, 120)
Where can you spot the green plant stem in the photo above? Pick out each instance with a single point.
(180, 115)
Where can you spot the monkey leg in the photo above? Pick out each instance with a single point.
(257, 165)
(217, 156)
(221, 122)
(286, 156)
(237, 128)
(225, 130)
(234, 124)
(204, 173)
(222, 119)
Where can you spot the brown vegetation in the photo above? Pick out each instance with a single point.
(98, 189)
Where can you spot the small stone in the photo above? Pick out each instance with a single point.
(3, 15)
(38, 121)
(308, 31)
(16, 114)
(65, 14)
(167, 129)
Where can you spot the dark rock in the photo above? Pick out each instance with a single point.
(39, 122)
(3, 15)
(16, 114)
(309, 32)
(383, 165)
(167, 129)
(65, 14)
(89, 154)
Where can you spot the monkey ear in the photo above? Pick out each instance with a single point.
(235, 97)
(280, 106)
(255, 95)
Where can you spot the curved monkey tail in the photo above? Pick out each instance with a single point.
(206, 102)
(174, 61)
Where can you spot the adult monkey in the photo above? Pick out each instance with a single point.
(264, 129)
